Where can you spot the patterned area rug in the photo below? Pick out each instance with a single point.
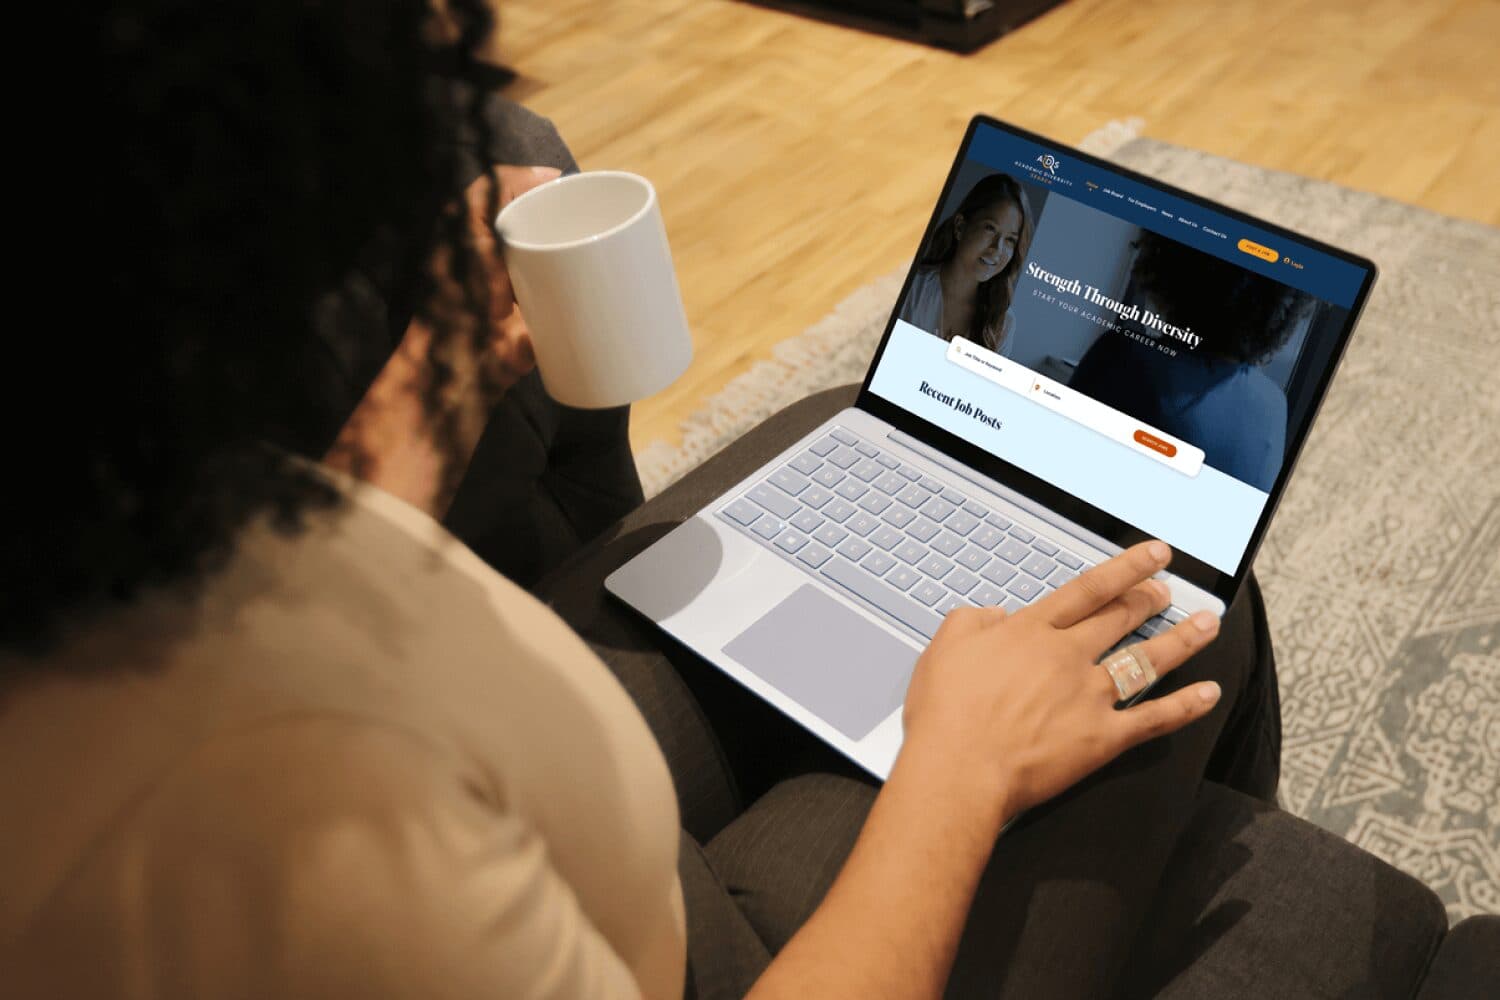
(1382, 570)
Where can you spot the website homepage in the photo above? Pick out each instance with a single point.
(1149, 356)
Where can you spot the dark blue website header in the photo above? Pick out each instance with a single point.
(1289, 262)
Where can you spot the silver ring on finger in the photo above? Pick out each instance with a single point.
(1131, 670)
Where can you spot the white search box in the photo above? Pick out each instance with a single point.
(1117, 426)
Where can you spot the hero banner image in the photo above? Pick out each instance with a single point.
(1148, 355)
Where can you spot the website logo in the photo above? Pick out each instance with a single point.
(1050, 162)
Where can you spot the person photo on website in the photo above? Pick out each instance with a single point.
(966, 278)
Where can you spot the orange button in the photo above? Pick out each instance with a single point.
(1256, 250)
(1155, 443)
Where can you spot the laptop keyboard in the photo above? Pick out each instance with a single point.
(909, 545)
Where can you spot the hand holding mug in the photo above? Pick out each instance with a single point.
(511, 354)
(593, 273)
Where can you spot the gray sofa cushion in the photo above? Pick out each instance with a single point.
(1257, 902)
(1260, 903)
(1467, 966)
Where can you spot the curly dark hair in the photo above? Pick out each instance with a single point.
(1242, 317)
(245, 162)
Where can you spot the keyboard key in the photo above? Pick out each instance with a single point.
(1069, 560)
(779, 504)
(807, 463)
(807, 521)
(923, 530)
(909, 552)
(790, 541)
(913, 496)
(960, 581)
(962, 522)
(862, 524)
(1012, 551)
(930, 485)
(822, 446)
(815, 497)
(875, 502)
(843, 457)
(948, 544)
(972, 557)
(865, 471)
(998, 521)
(889, 461)
(928, 593)
(1012, 604)
(910, 473)
(854, 548)
(1038, 565)
(838, 510)
(1062, 575)
(902, 577)
(743, 511)
(1016, 531)
(934, 565)
(789, 480)
(954, 497)
(885, 537)
(898, 515)
(867, 450)
(948, 603)
(898, 606)
(842, 435)
(828, 476)
(851, 489)
(987, 537)
(978, 510)
(998, 572)
(1045, 547)
(890, 484)
(1174, 615)
(1154, 626)
(768, 527)
(878, 563)
(814, 555)
(986, 596)
(830, 534)
(938, 509)
(1024, 587)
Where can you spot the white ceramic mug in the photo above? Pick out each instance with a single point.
(588, 257)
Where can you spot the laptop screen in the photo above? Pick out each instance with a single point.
(1139, 350)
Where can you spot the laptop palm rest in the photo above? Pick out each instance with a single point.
(829, 659)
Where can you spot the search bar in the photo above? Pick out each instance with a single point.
(1120, 427)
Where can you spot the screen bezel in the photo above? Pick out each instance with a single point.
(1210, 578)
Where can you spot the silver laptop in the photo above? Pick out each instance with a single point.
(1081, 358)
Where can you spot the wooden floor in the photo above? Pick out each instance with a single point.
(797, 161)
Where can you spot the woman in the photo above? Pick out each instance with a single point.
(966, 279)
(267, 731)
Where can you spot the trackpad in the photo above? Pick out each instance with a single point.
(824, 656)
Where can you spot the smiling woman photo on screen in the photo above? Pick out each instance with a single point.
(966, 279)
